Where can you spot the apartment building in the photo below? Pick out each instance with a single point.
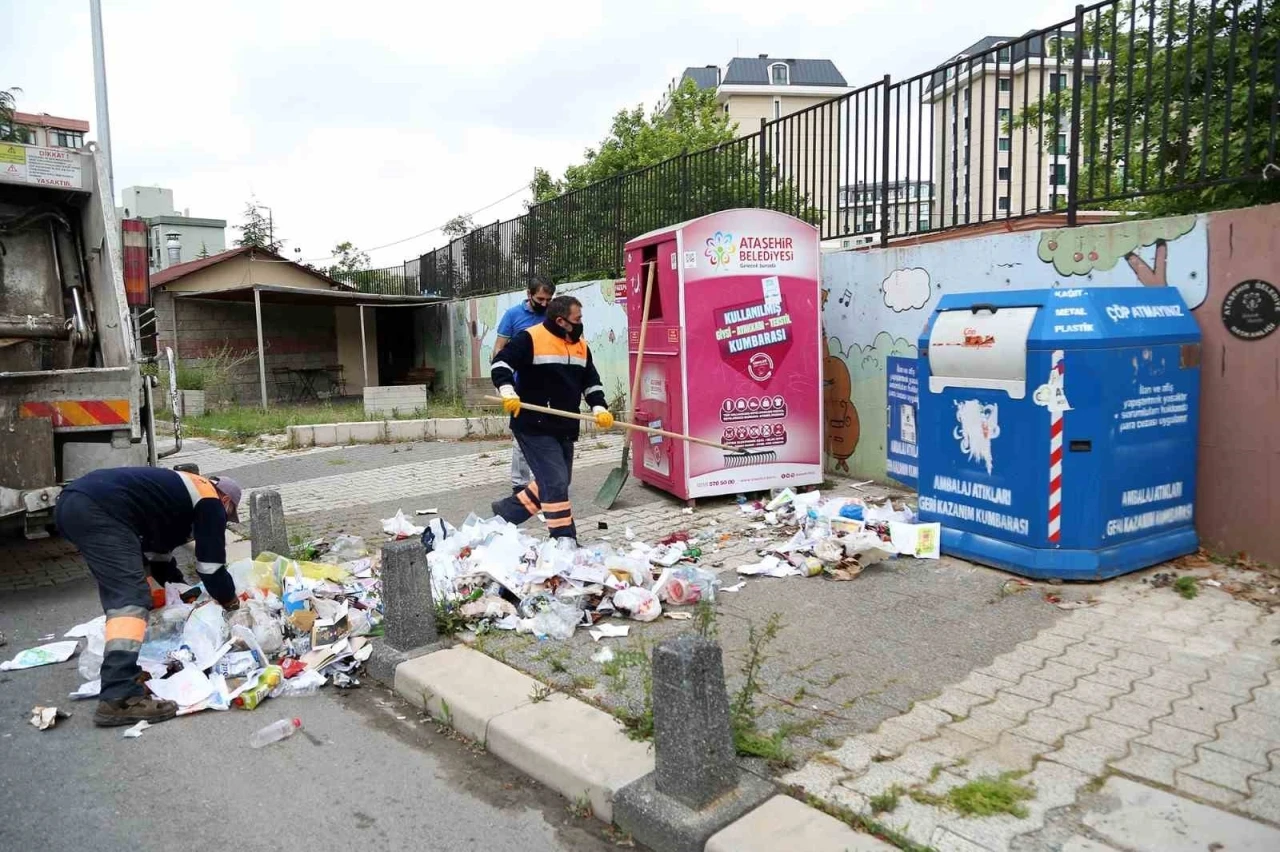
(983, 167)
(174, 237)
(861, 209)
(764, 87)
(47, 131)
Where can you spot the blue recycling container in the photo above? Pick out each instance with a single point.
(1057, 429)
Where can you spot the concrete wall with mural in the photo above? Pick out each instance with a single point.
(475, 329)
(876, 303)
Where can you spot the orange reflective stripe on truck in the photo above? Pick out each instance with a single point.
(80, 412)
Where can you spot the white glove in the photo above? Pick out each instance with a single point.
(507, 392)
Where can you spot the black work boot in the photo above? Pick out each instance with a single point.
(134, 709)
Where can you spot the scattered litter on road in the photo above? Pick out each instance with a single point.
(87, 690)
(400, 527)
(299, 624)
(135, 731)
(606, 630)
(604, 655)
(427, 512)
(45, 718)
(42, 655)
(276, 731)
(678, 616)
(736, 587)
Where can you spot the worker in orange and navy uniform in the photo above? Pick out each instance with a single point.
(548, 365)
(126, 522)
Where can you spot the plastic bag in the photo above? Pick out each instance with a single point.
(346, 548)
(639, 602)
(90, 662)
(400, 526)
(205, 631)
(266, 630)
(688, 585)
(557, 621)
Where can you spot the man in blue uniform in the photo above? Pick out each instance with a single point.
(549, 365)
(526, 314)
(126, 522)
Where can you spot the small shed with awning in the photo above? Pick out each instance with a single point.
(281, 330)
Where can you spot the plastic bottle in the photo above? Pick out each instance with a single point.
(275, 732)
(269, 679)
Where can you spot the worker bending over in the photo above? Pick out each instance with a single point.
(550, 365)
(126, 522)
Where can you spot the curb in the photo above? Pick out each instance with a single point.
(583, 753)
(390, 431)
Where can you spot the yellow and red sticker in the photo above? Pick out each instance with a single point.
(80, 412)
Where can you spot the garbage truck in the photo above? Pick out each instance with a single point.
(74, 323)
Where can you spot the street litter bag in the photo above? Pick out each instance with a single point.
(640, 603)
(557, 621)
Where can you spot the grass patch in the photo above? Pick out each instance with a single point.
(245, 422)
(541, 693)
(449, 618)
(748, 740)
(1187, 586)
(991, 795)
(865, 824)
(886, 802)
(302, 546)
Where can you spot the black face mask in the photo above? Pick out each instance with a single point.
(575, 332)
(537, 307)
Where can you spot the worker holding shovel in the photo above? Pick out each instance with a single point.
(549, 364)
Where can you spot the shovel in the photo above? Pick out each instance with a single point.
(608, 493)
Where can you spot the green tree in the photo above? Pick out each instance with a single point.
(10, 132)
(458, 226)
(204, 251)
(691, 121)
(348, 260)
(1184, 95)
(257, 230)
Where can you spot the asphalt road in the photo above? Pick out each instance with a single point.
(370, 772)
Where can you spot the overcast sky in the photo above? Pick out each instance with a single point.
(375, 120)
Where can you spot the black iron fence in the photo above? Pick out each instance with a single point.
(1148, 106)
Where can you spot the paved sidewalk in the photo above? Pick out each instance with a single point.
(1179, 695)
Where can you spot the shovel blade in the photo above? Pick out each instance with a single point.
(608, 493)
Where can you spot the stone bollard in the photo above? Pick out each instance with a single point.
(267, 533)
(696, 787)
(409, 613)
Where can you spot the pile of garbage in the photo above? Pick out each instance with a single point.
(490, 575)
(300, 625)
(836, 537)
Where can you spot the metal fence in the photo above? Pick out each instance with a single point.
(399, 280)
(1169, 101)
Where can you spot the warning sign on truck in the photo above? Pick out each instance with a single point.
(54, 167)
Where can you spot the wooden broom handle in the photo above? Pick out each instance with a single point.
(648, 430)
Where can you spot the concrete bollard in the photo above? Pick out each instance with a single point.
(409, 612)
(267, 532)
(696, 787)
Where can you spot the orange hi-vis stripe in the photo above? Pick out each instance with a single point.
(79, 412)
(527, 502)
(558, 523)
(126, 627)
(202, 487)
(557, 507)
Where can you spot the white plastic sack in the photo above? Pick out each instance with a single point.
(205, 632)
(640, 603)
(400, 526)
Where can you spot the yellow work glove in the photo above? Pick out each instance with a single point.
(510, 401)
(604, 419)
